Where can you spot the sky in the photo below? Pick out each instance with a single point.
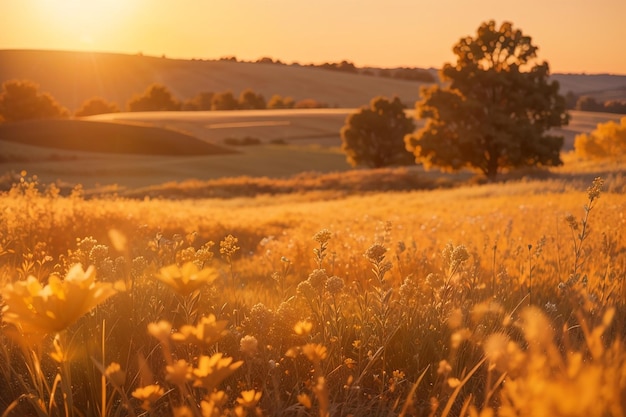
(573, 36)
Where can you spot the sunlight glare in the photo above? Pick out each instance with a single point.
(86, 21)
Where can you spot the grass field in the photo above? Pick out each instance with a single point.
(501, 298)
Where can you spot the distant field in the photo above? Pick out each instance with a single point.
(311, 144)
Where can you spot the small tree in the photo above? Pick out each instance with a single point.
(490, 114)
(608, 140)
(249, 100)
(157, 97)
(373, 136)
(278, 102)
(96, 105)
(224, 101)
(21, 100)
(201, 101)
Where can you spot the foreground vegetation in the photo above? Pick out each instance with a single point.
(505, 298)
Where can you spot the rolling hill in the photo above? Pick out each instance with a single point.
(73, 77)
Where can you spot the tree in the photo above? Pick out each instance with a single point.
(278, 102)
(224, 101)
(373, 136)
(157, 97)
(608, 140)
(490, 114)
(21, 100)
(96, 105)
(249, 100)
(201, 101)
(586, 103)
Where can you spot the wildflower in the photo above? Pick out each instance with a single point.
(306, 290)
(249, 345)
(375, 253)
(571, 221)
(303, 327)
(250, 398)
(318, 278)
(186, 279)
(178, 372)
(334, 285)
(54, 307)
(323, 236)
(315, 352)
(211, 371)
(208, 331)
(149, 395)
(305, 400)
(161, 330)
(115, 374)
(444, 367)
(593, 192)
(211, 406)
(228, 246)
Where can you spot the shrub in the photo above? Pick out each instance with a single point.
(608, 140)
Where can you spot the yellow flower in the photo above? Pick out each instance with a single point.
(178, 372)
(149, 395)
(186, 279)
(56, 306)
(211, 371)
(315, 352)
(249, 399)
(161, 330)
(303, 328)
(115, 374)
(208, 331)
(305, 400)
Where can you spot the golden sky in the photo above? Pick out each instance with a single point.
(572, 35)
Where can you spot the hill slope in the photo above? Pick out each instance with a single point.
(89, 136)
(73, 77)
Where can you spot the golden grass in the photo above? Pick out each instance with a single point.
(447, 302)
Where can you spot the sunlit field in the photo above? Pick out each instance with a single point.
(499, 299)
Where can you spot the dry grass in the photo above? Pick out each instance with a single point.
(363, 305)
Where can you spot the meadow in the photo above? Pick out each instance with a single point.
(498, 299)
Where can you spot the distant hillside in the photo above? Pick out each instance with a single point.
(72, 77)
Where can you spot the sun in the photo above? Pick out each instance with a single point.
(87, 21)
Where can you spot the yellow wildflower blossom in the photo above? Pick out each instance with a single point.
(211, 371)
(249, 399)
(208, 331)
(54, 307)
(149, 395)
(187, 278)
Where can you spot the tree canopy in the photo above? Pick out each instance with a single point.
(373, 136)
(491, 113)
(157, 97)
(21, 100)
(96, 105)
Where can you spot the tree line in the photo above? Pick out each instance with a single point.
(22, 100)
(588, 103)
